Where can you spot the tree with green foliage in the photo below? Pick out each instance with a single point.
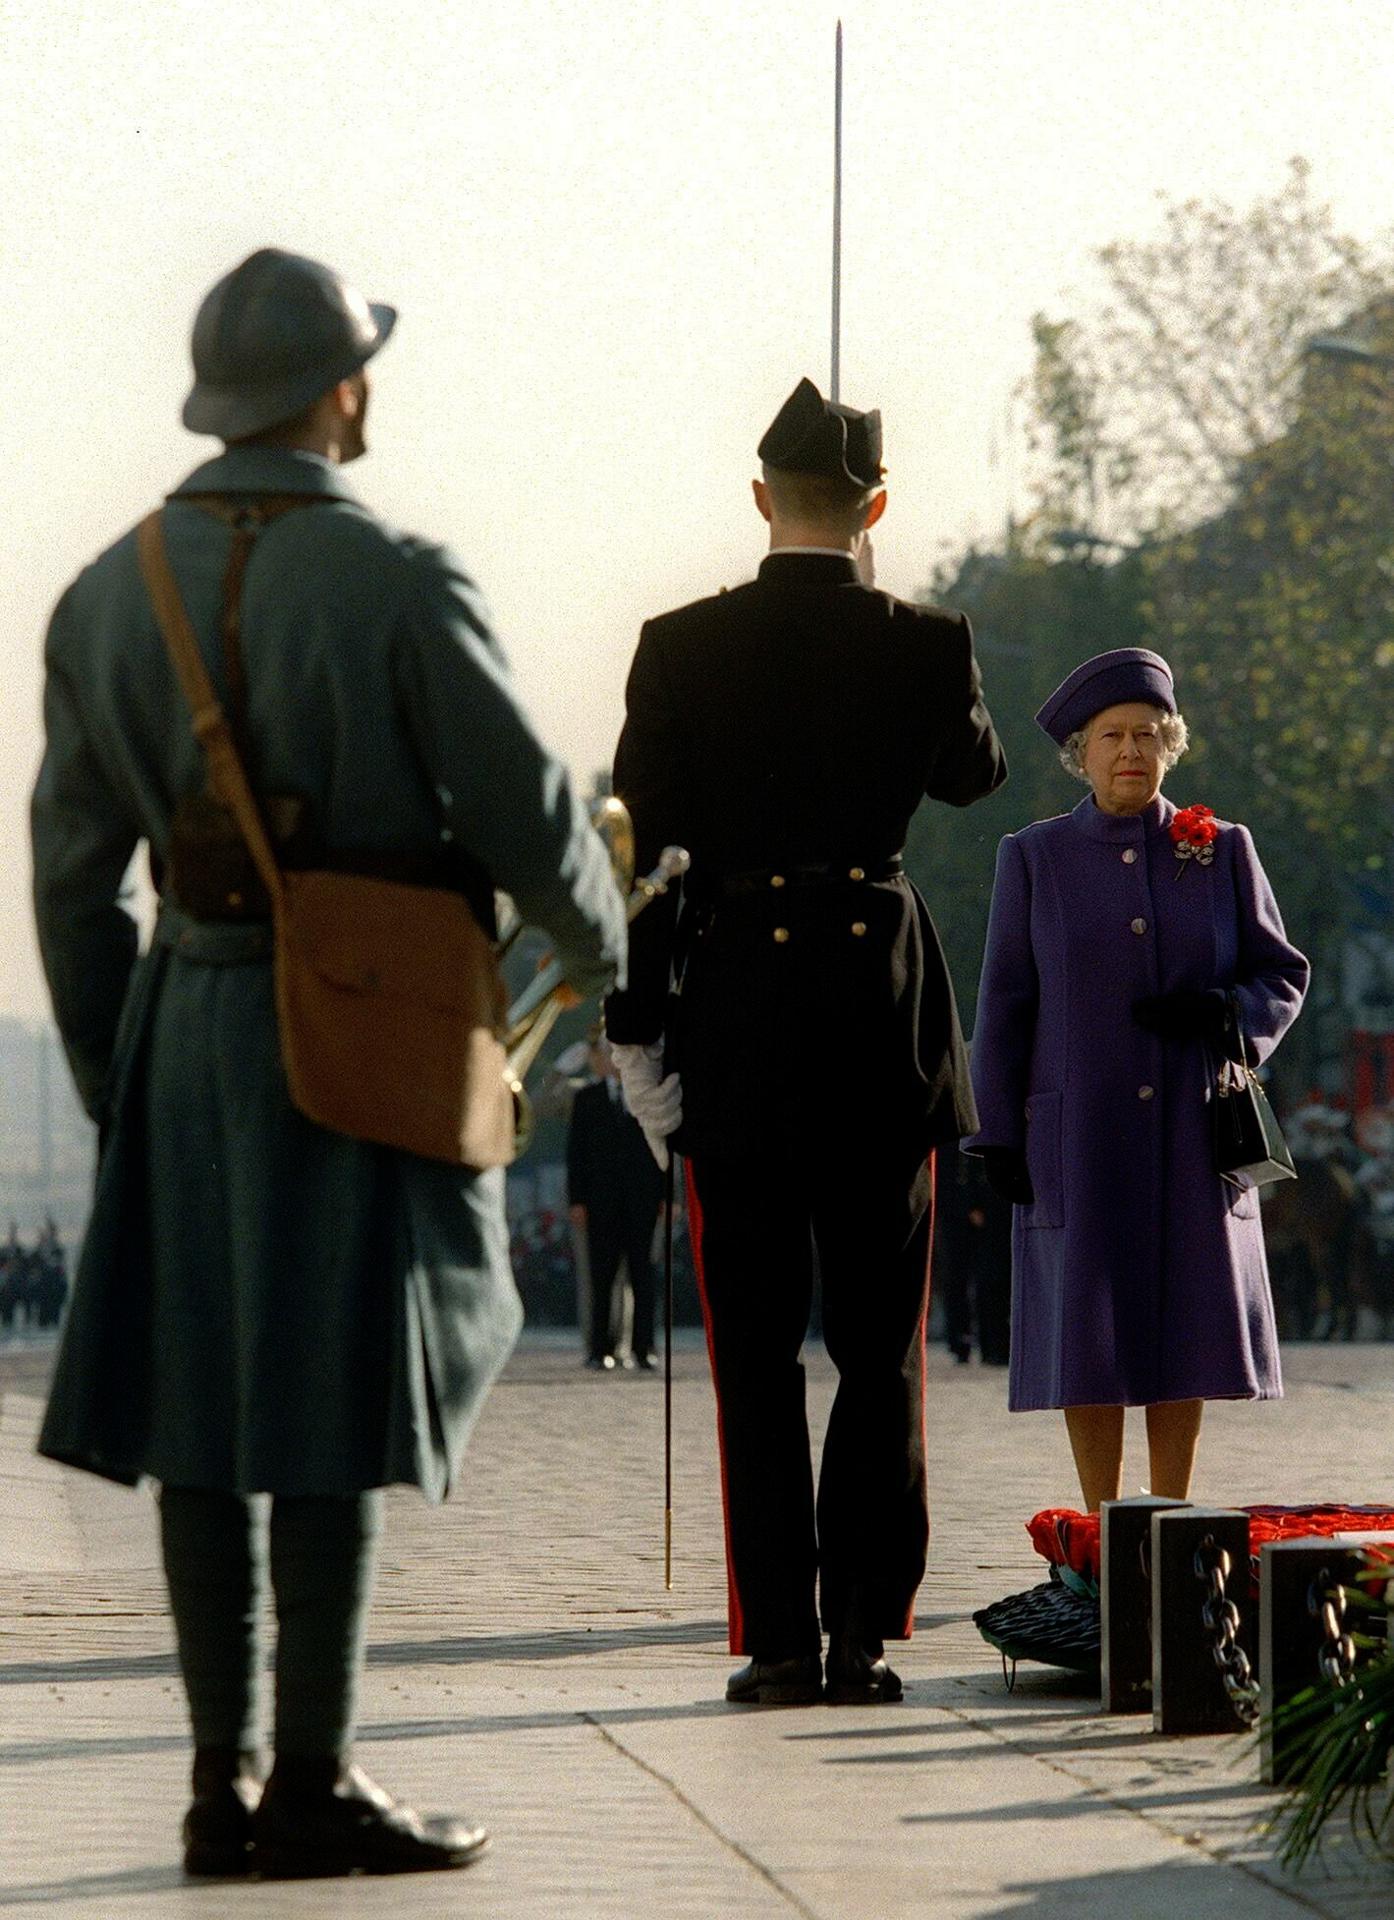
(1145, 410)
(1241, 476)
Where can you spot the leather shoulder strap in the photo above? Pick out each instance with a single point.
(226, 774)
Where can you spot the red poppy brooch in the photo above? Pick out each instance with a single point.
(1194, 831)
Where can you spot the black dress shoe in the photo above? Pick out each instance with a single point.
(316, 1820)
(778, 1683)
(646, 1361)
(217, 1830)
(601, 1363)
(858, 1678)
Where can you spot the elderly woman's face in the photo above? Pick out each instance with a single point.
(1124, 757)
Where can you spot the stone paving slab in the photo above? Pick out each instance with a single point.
(525, 1661)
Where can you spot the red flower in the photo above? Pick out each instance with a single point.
(1195, 824)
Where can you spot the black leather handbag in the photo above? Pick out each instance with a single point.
(1250, 1150)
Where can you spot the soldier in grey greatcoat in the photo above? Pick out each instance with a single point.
(262, 1306)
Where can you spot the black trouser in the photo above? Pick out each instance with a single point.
(864, 1539)
(610, 1238)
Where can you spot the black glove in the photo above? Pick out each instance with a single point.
(1005, 1168)
(1192, 1014)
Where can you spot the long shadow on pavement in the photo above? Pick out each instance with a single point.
(565, 1643)
(94, 1886)
(29, 1753)
(1172, 1888)
(462, 1650)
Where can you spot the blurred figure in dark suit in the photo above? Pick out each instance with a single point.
(975, 1259)
(616, 1189)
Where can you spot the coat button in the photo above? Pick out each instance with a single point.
(856, 873)
(781, 934)
(1138, 926)
(1130, 856)
(859, 928)
(776, 879)
(1145, 1093)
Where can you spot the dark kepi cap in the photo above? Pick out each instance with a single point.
(812, 435)
(273, 335)
(1108, 680)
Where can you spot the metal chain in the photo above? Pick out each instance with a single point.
(1327, 1602)
(1220, 1618)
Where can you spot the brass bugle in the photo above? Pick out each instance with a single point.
(612, 822)
(543, 996)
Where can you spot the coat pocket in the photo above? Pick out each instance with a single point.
(1043, 1161)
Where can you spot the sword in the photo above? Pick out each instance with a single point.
(837, 216)
(668, 1376)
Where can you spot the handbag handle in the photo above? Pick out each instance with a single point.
(226, 774)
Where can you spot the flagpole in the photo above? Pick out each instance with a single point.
(837, 218)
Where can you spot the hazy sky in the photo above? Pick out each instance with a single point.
(606, 228)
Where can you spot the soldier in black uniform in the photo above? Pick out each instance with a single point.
(784, 733)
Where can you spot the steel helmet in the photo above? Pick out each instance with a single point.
(273, 335)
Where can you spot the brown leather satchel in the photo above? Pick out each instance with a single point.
(390, 1005)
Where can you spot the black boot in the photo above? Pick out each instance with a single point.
(320, 1817)
(217, 1831)
(857, 1672)
(778, 1683)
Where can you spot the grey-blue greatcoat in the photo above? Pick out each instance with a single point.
(1139, 1274)
(262, 1304)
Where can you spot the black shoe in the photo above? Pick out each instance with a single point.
(217, 1830)
(601, 1363)
(316, 1819)
(646, 1362)
(858, 1677)
(778, 1683)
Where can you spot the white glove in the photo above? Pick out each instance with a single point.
(656, 1103)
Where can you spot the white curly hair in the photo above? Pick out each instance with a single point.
(1176, 737)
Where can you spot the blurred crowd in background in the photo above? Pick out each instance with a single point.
(33, 1280)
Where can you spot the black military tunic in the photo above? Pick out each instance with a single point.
(784, 733)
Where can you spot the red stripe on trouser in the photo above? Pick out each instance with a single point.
(735, 1614)
(932, 1164)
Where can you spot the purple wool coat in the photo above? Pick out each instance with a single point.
(1139, 1274)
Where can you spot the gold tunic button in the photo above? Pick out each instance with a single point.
(776, 879)
(857, 873)
(1145, 1093)
(1130, 856)
(1139, 926)
(859, 928)
(781, 934)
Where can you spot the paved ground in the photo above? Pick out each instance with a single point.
(526, 1662)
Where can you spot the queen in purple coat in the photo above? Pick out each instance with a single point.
(1138, 1274)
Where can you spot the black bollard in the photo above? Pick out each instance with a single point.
(1125, 1600)
(1296, 1577)
(1188, 1692)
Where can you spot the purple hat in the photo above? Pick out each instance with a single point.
(1108, 680)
